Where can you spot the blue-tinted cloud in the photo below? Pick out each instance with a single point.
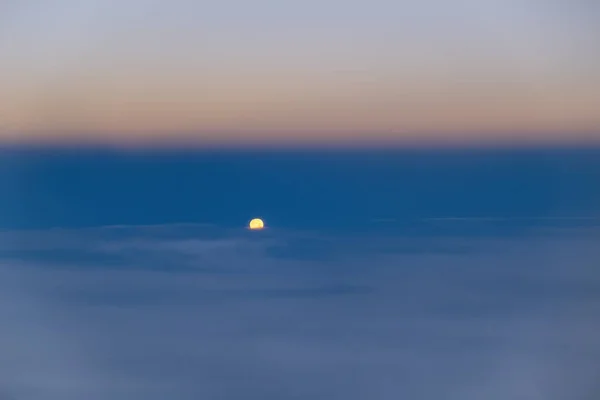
(198, 312)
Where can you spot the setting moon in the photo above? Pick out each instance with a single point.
(256, 224)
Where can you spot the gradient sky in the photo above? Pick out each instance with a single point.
(266, 70)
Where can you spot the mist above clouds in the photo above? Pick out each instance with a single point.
(164, 312)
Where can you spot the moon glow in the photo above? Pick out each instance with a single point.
(256, 224)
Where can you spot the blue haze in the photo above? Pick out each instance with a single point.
(323, 190)
(429, 274)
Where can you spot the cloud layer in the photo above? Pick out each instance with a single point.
(197, 312)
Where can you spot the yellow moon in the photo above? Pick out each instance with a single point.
(256, 224)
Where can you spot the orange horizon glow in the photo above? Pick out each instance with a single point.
(399, 72)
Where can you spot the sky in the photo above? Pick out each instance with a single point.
(316, 70)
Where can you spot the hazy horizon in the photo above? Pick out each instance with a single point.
(427, 171)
